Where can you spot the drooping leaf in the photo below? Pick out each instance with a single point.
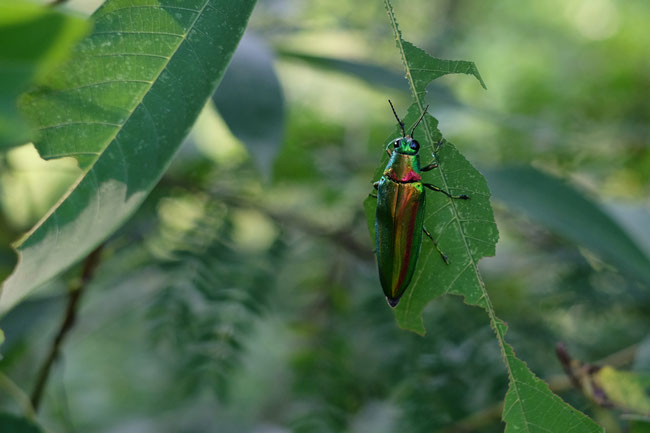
(529, 406)
(33, 40)
(251, 101)
(122, 106)
(555, 204)
(374, 74)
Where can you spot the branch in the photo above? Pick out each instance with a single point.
(340, 236)
(74, 296)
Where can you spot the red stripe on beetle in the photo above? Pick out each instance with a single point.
(407, 255)
(411, 176)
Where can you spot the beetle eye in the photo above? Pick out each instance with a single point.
(396, 145)
(415, 145)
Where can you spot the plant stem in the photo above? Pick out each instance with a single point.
(76, 291)
(340, 236)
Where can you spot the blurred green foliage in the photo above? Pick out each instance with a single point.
(22, 64)
(567, 95)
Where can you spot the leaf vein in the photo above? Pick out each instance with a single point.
(130, 54)
(61, 125)
(153, 7)
(133, 32)
(100, 83)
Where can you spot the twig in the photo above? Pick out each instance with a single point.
(340, 237)
(74, 296)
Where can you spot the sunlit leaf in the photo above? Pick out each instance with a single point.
(33, 40)
(122, 106)
(627, 390)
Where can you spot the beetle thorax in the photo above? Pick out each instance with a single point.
(403, 168)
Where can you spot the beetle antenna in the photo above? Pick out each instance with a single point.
(401, 124)
(419, 120)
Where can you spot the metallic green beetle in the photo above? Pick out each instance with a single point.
(400, 213)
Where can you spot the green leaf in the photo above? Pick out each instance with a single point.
(609, 387)
(638, 425)
(14, 424)
(122, 107)
(466, 232)
(33, 40)
(464, 229)
(626, 390)
(530, 406)
(251, 101)
(557, 205)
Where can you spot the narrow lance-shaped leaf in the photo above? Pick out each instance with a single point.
(560, 207)
(122, 106)
(467, 232)
(251, 101)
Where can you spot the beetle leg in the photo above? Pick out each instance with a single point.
(438, 145)
(389, 152)
(430, 166)
(443, 255)
(376, 185)
(435, 188)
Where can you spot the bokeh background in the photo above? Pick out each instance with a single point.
(243, 296)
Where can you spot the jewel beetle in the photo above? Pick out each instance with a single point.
(399, 222)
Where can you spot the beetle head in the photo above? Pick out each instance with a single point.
(406, 145)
